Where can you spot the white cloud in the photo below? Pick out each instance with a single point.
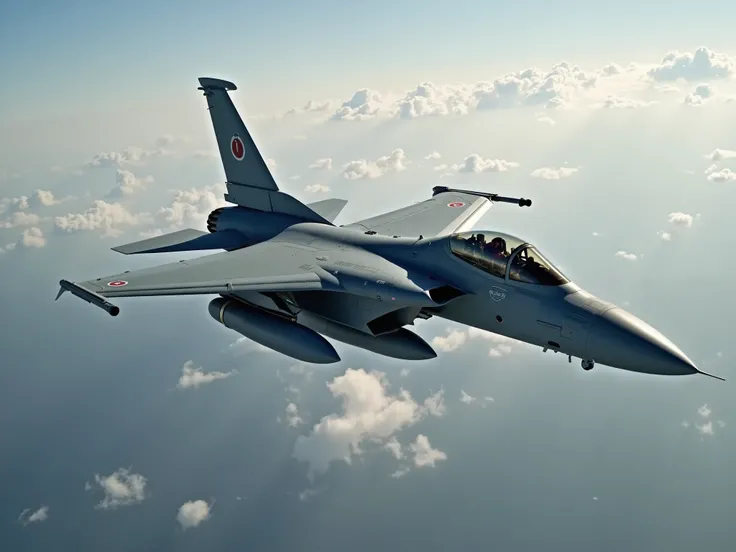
(616, 102)
(465, 398)
(666, 236)
(20, 218)
(292, 415)
(128, 184)
(134, 155)
(364, 104)
(429, 99)
(474, 163)
(121, 488)
(192, 377)
(706, 429)
(546, 120)
(14, 203)
(424, 454)
(453, 340)
(394, 447)
(191, 207)
(723, 175)
(316, 188)
(361, 168)
(32, 237)
(40, 515)
(401, 472)
(704, 411)
(626, 256)
(700, 65)
(42, 198)
(433, 155)
(554, 173)
(721, 154)
(681, 219)
(700, 95)
(101, 216)
(322, 164)
(369, 413)
(554, 88)
(193, 513)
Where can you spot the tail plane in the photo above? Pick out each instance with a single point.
(249, 182)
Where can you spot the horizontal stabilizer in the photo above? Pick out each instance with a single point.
(328, 209)
(185, 240)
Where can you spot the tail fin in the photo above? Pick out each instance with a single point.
(241, 159)
(249, 182)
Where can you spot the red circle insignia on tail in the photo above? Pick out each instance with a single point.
(455, 204)
(237, 147)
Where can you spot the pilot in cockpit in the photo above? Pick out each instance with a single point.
(497, 248)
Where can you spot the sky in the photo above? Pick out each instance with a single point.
(160, 429)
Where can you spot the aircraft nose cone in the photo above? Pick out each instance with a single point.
(620, 339)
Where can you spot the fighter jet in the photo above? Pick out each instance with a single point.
(286, 275)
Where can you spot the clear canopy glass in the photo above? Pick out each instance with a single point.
(492, 251)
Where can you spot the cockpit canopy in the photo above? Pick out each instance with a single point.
(497, 253)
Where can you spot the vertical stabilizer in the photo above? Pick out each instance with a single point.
(241, 159)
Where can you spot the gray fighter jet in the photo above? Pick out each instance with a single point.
(289, 276)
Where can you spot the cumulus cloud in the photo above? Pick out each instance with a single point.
(134, 155)
(32, 237)
(700, 95)
(617, 102)
(703, 64)
(322, 164)
(192, 513)
(364, 104)
(626, 255)
(666, 236)
(429, 99)
(465, 398)
(474, 163)
(554, 173)
(292, 415)
(721, 154)
(104, 216)
(42, 198)
(193, 377)
(554, 88)
(681, 219)
(20, 218)
(456, 338)
(191, 207)
(394, 447)
(401, 472)
(363, 169)
(316, 188)
(40, 515)
(546, 120)
(120, 488)
(369, 414)
(433, 155)
(128, 184)
(424, 454)
(722, 175)
(705, 410)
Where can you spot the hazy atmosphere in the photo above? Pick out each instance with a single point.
(162, 430)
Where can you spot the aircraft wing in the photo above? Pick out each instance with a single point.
(268, 266)
(446, 213)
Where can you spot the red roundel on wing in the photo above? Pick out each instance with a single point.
(237, 147)
(117, 283)
(455, 204)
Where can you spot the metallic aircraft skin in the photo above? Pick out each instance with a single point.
(288, 275)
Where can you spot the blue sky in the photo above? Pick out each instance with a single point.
(631, 167)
